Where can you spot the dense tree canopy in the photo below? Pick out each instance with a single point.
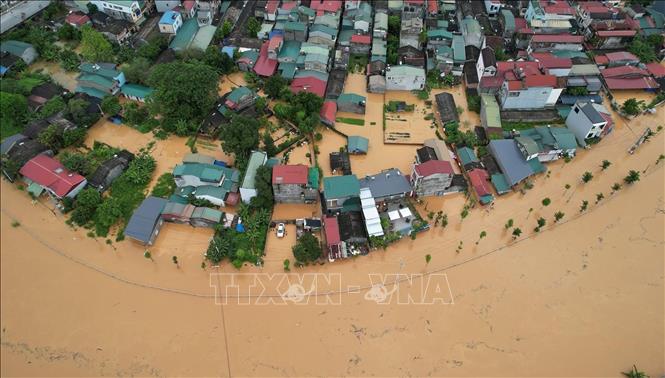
(307, 248)
(184, 91)
(240, 137)
(137, 71)
(94, 46)
(263, 183)
(274, 86)
(85, 206)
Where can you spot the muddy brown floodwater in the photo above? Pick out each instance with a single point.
(584, 297)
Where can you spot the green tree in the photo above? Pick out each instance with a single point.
(92, 8)
(175, 261)
(587, 176)
(69, 60)
(634, 373)
(85, 206)
(643, 50)
(508, 224)
(546, 201)
(240, 137)
(584, 206)
(263, 184)
(138, 70)
(287, 264)
(165, 186)
(94, 46)
(632, 177)
(219, 248)
(516, 233)
(76, 162)
(253, 27)
(605, 164)
(147, 255)
(77, 111)
(51, 137)
(153, 48)
(14, 109)
(616, 187)
(111, 105)
(224, 30)
(541, 223)
(68, 32)
(269, 144)
(307, 248)
(632, 106)
(183, 90)
(558, 216)
(274, 86)
(481, 236)
(218, 60)
(107, 215)
(599, 197)
(428, 258)
(53, 106)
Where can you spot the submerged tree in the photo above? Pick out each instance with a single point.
(632, 177)
(605, 164)
(558, 216)
(584, 206)
(517, 232)
(634, 373)
(587, 176)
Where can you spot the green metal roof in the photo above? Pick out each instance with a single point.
(500, 183)
(211, 190)
(290, 50)
(379, 47)
(357, 144)
(442, 24)
(528, 144)
(311, 57)
(341, 186)
(295, 26)
(313, 177)
(185, 34)
(564, 138)
(352, 204)
(312, 48)
(206, 172)
(238, 93)
(95, 69)
(459, 48)
(324, 29)
(96, 79)
(444, 52)
(536, 165)
(405, 70)
(136, 90)
(14, 47)
(94, 92)
(307, 11)
(487, 198)
(203, 37)
(35, 189)
(466, 155)
(207, 213)
(256, 160)
(491, 109)
(350, 98)
(509, 19)
(287, 70)
(439, 33)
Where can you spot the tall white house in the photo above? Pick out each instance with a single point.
(585, 121)
(130, 10)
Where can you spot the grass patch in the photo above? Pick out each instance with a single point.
(508, 125)
(165, 186)
(351, 121)
(16, 224)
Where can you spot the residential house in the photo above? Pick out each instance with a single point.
(328, 113)
(629, 78)
(43, 172)
(351, 102)
(405, 78)
(473, 34)
(587, 121)
(23, 50)
(370, 213)
(444, 60)
(198, 174)
(376, 84)
(431, 178)
(100, 79)
(336, 249)
(507, 22)
(9, 142)
(214, 194)
(110, 170)
(177, 212)
(206, 11)
(376, 67)
(490, 116)
(163, 6)
(340, 162)
(380, 25)
(387, 186)
(136, 92)
(77, 19)
(265, 66)
(445, 105)
(295, 31)
(326, 6)
(360, 44)
(441, 151)
(275, 45)
(118, 31)
(467, 158)
(309, 84)
(247, 59)
(525, 87)
(486, 64)
(411, 56)
(514, 167)
(42, 93)
(550, 64)
(322, 35)
(379, 50)
(479, 179)
(357, 145)
(438, 37)
(610, 35)
(295, 184)
(19, 150)
(352, 229)
(616, 59)
(585, 75)
(338, 190)
(549, 42)
(493, 6)
(248, 188)
(240, 98)
(145, 223)
(459, 55)
(270, 13)
(129, 10)
(170, 22)
(206, 217)
(196, 158)
(410, 32)
(551, 143)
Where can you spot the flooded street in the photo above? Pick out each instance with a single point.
(66, 79)
(519, 307)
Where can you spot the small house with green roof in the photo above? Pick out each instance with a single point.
(338, 190)
(357, 145)
(136, 92)
(549, 143)
(323, 35)
(240, 98)
(295, 183)
(100, 79)
(295, 31)
(25, 51)
(507, 21)
(185, 35)
(352, 103)
(405, 78)
(205, 217)
(490, 115)
(197, 174)
(468, 158)
(248, 188)
(438, 37)
(459, 55)
(289, 52)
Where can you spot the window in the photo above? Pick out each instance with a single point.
(513, 94)
(576, 109)
(601, 126)
(589, 135)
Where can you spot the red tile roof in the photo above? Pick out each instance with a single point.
(559, 8)
(326, 5)
(508, 69)
(275, 42)
(328, 111)
(265, 66)
(433, 6)
(637, 83)
(362, 39)
(271, 6)
(480, 181)
(616, 33)
(491, 82)
(188, 4)
(520, 23)
(290, 174)
(554, 38)
(77, 18)
(540, 81)
(309, 84)
(621, 55)
(431, 167)
(656, 69)
(601, 59)
(548, 60)
(49, 173)
(624, 72)
(332, 230)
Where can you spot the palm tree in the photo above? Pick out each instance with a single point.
(587, 176)
(509, 224)
(599, 197)
(605, 164)
(616, 187)
(585, 204)
(175, 261)
(634, 373)
(632, 177)
(541, 223)
(516, 233)
(661, 157)
(558, 215)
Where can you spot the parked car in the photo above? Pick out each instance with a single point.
(281, 230)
